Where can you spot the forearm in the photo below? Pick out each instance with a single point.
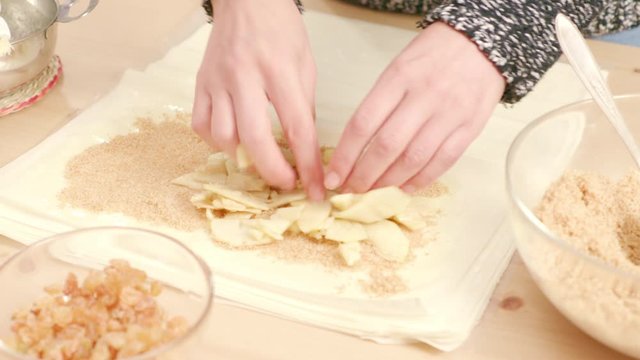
(518, 36)
(208, 7)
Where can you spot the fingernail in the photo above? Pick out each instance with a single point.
(409, 189)
(332, 181)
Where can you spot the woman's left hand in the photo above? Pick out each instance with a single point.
(426, 108)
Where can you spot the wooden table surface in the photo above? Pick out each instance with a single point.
(121, 34)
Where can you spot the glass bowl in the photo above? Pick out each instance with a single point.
(602, 300)
(187, 284)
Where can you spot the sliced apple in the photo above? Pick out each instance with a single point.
(273, 228)
(236, 233)
(291, 213)
(209, 214)
(243, 160)
(376, 205)
(344, 201)
(227, 204)
(345, 231)
(318, 235)
(413, 216)
(231, 167)
(238, 196)
(196, 180)
(245, 182)
(262, 195)
(285, 198)
(313, 216)
(388, 240)
(240, 215)
(350, 252)
(216, 164)
(411, 220)
(202, 200)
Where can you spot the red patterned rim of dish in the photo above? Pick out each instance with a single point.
(31, 96)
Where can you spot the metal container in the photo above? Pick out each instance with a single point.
(33, 25)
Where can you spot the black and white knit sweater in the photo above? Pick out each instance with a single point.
(516, 35)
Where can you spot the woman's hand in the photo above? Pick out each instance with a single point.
(258, 53)
(423, 112)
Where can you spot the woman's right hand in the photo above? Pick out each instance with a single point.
(258, 53)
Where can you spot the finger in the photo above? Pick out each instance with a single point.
(201, 116)
(419, 151)
(294, 111)
(388, 143)
(254, 131)
(308, 80)
(447, 155)
(223, 125)
(366, 121)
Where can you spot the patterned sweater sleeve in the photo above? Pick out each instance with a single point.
(518, 36)
(208, 7)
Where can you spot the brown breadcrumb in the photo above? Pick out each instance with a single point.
(383, 282)
(596, 214)
(600, 218)
(131, 174)
(435, 190)
(303, 249)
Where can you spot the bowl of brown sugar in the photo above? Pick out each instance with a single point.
(102, 294)
(574, 193)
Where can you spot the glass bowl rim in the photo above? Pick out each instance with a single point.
(206, 271)
(528, 214)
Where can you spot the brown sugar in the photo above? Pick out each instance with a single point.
(131, 174)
